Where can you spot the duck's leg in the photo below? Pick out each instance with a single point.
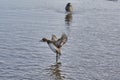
(59, 56)
(56, 58)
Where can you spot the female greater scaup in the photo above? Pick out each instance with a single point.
(69, 7)
(56, 44)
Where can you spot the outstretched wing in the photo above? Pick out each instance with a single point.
(54, 38)
(61, 41)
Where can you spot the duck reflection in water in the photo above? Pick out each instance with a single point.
(68, 19)
(56, 72)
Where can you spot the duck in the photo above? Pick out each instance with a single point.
(69, 7)
(55, 44)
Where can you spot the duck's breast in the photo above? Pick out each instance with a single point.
(53, 47)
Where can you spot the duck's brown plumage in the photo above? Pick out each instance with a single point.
(69, 7)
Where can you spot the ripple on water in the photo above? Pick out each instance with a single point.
(92, 50)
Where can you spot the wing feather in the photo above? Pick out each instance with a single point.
(61, 41)
(54, 38)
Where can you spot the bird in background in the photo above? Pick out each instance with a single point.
(55, 44)
(69, 7)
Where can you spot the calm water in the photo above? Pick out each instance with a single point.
(91, 53)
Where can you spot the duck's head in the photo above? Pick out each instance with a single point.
(44, 40)
(68, 4)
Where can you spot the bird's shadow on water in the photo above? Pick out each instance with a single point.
(55, 72)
